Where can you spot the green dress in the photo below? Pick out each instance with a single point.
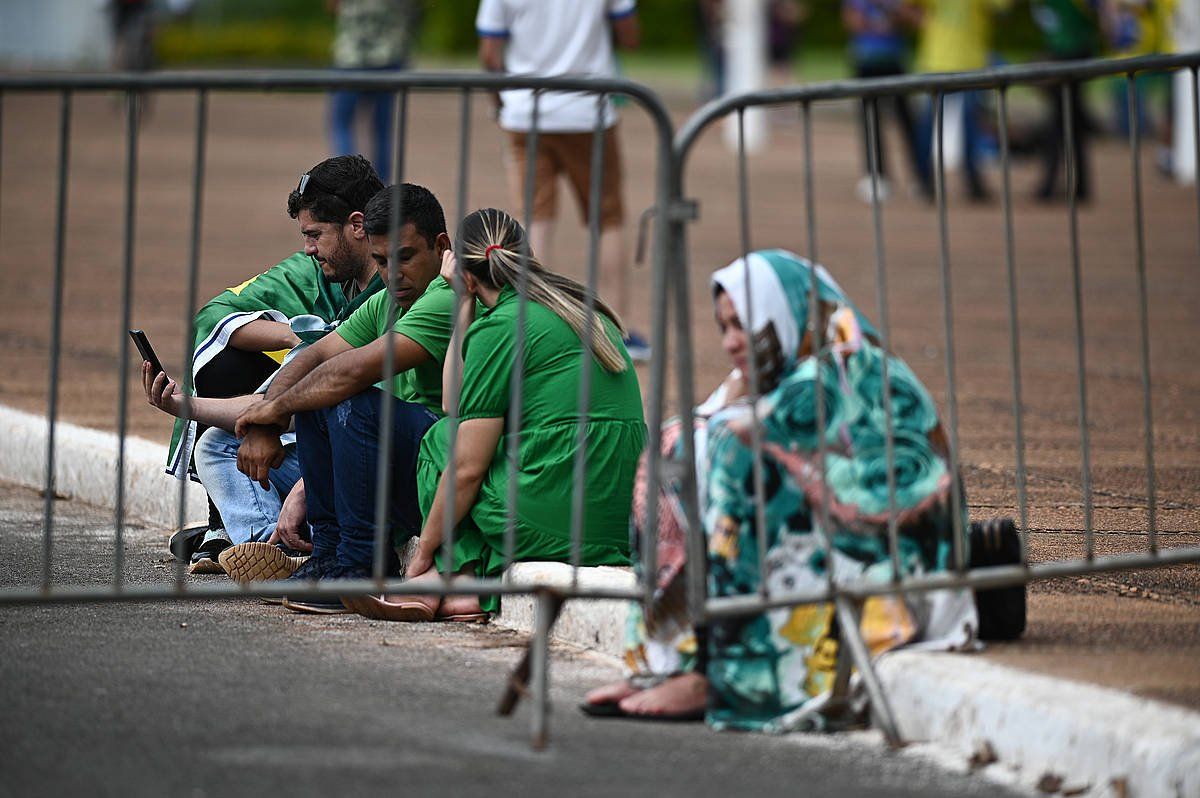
(616, 434)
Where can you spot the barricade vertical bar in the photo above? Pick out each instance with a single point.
(1196, 138)
(131, 143)
(873, 144)
(1143, 315)
(669, 250)
(848, 615)
(539, 666)
(1077, 280)
(192, 291)
(60, 228)
(760, 510)
(1013, 328)
(464, 169)
(516, 385)
(387, 401)
(578, 492)
(810, 203)
(948, 319)
(1, 154)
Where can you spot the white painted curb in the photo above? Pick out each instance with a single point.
(1089, 736)
(85, 468)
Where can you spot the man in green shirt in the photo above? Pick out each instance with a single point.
(244, 333)
(333, 390)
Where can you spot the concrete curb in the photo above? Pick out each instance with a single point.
(85, 467)
(1102, 741)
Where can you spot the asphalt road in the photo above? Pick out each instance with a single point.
(239, 698)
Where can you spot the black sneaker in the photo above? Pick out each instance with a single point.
(204, 558)
(327, 605)
(313, 569)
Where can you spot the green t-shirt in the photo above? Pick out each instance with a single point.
(1070, 27)
(615, 435)
(427, 323)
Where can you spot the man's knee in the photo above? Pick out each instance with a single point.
(215, 444)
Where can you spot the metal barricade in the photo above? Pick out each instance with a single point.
(134, 87)
(848, 598)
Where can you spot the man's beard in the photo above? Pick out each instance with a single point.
(342, 263)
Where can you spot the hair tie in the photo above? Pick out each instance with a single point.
(487, 253)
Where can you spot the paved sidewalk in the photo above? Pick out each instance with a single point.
(1101, 695)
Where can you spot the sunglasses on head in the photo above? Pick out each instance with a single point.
(307, 181)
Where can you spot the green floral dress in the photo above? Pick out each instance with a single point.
(765, 670)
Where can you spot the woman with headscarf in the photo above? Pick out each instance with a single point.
(767, 671)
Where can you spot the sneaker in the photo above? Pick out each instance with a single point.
(183, 543)
(637, 347)
(327, 605)
(311, 570)
(204, 559)
(862, 189)
(255, 561)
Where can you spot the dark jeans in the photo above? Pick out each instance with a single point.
(339, 454)
(1054, 137)
(899, 107)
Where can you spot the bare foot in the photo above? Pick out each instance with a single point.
(459, 605)
(610, 693)
(685, 695)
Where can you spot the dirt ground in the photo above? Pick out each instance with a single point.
(260, 143)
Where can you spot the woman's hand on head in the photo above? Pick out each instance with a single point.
(450, 269)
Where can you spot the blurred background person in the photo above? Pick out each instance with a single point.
(879, 31)
(710, 26)
(133, 35)
(1071, 30)
(956, 37)
(1135, 28)
(784, 18)
(547, 38)
(376, 35)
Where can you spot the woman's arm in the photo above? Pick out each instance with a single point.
(475, 448)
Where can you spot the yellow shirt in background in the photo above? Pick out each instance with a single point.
(956, 35)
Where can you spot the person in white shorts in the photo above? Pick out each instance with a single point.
(548, 38)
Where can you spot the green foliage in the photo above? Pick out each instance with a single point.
(300, 31)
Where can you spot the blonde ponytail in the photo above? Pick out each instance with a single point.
(492, 245)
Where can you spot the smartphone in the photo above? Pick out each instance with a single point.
(143, 344)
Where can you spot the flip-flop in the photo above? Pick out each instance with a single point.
(613, 710)
(376, 608)
(466, 617)
(605, 709)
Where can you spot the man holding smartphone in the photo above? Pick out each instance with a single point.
(244, 334)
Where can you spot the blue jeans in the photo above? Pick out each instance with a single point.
(342, 105)
(339, 455)
(249, 511)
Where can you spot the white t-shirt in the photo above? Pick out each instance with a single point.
(551, 38)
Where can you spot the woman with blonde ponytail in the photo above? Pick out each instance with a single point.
(494, 264)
